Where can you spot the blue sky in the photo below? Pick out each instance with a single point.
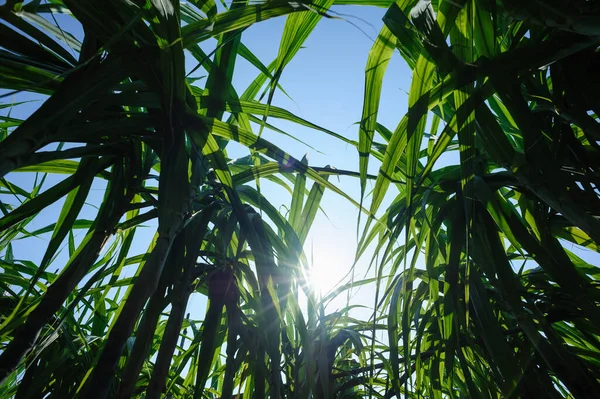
(326, 83)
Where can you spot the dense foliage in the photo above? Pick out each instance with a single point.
(481, 287)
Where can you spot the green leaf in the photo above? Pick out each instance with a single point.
(379, 58)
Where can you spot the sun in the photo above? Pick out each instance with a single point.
(326, 274)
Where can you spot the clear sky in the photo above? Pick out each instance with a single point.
(326, 82)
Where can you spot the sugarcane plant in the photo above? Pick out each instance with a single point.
(483, 284)
(489, 294)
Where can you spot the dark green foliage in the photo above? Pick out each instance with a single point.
(480, 291)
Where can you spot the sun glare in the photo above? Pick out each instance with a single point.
(326, 274)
